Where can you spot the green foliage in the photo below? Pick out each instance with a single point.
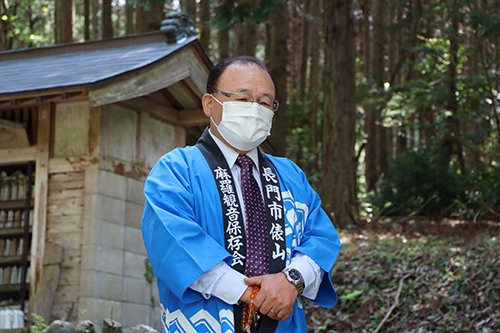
(149, 273)
(147, 4)
(229, 12)
(299, 134)
(39, 326)
(428, 182)
(32, 22)
(451, 284)
(487, 27)
(350, 296)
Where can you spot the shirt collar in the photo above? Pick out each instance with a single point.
(231, 155)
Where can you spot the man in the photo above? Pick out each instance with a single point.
(228, 229)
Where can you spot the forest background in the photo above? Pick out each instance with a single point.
(390, 107)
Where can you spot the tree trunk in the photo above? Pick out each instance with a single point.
(399, 78)
(278, 61)
(370, 116)
(4, 26)
(10, 12)
(401, 141)
(338, 170)
(316, 8)
(306, 42)
(149, 18)
(376, 149)
(140, 20)
(246, 39)
(117, 19)
(239, 45)
(189, 6)
(29, 13)
(366, 41)
(250, 44)
(68, 22)
(452, 88)
(156, 15)
(65, 18)
(269, 42)
(383, 149)
(107, 22)
(416, 15)
(261, 40)
(86, 19)
(95, 32)
(223, 40)
(392, 50)
(392, 65)
(57, 21)
(379, 42)
(3, 35)
(129, 18)
(204, 29)
(472, 154)
(371, 172)
(296, 33)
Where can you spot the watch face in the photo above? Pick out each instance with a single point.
(294, 274)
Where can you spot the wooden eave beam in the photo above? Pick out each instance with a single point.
(68, 97)
(194, 117)
(176, 67)
(198, 79)
(171, 98)
(194, 87)
(4, 103)
(189, 91)
(38, 96)
(202, 56)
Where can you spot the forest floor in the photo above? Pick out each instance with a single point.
(415, 275)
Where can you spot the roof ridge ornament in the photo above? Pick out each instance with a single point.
(177, 26)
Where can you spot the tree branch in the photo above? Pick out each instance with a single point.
(11, 26)
(490, 89)
(493, 212)
(393, 306)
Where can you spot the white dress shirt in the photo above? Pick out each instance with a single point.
(226, 283)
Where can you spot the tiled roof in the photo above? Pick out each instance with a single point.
(79, 68)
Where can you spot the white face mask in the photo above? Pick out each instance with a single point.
(244, 125)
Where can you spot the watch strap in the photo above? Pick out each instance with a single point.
(299, 283)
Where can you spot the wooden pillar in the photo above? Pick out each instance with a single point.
(40, 209)
(94, 132)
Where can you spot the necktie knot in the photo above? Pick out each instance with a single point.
(244, 161)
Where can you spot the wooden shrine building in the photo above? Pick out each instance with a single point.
(81, 125)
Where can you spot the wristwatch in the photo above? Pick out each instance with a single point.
(293, 275)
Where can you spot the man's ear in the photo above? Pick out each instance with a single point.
(207, 102)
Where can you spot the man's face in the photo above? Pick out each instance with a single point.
(237, 78)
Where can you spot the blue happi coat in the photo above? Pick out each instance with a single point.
(184, 237)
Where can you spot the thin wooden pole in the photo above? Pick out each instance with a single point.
(27, 208)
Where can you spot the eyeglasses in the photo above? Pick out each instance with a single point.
(266, 102)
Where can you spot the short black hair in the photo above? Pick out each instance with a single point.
(216, 72)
